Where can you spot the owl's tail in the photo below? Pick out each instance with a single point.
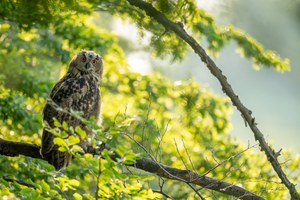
(58, 159)
(49, 152)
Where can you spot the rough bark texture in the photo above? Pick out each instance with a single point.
(178, 29)
(9, 148)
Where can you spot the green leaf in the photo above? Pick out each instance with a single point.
(63, 149)
(45, 186)
(73, 139)
(63, 134)
(88, 196)
(77, 196)
(56, 122)
(60, 142)
(76, 148)
(80, 132)
(74, 182)
(65, 126)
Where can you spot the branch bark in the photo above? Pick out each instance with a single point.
(179, 30)
(9, 148)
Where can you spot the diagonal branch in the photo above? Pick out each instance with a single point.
(9, 148)
(18, 181)
(178, 29)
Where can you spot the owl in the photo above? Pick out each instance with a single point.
(79, 91)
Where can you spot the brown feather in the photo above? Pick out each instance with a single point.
(78, 90)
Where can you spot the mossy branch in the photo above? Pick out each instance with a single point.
(13, 149)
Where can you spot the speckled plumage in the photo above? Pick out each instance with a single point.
(78, 90)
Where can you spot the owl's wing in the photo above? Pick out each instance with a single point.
(64, 95)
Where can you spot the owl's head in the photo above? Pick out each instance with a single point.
(87, 62)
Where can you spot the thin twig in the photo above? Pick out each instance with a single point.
(226, 160)
(181, 158)
(163, 193)
(98, 179)
(196, 191)
(188, 182)
(188, 155)
(161, 138)
(152, 158)
(161, 183)
(147, 118)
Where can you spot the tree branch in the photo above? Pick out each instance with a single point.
(178, 29)
(9, 148)
(19, 181)
(12, 149)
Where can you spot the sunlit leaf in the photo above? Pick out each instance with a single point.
(81, 132)
(60, 142)
(65, 126)
(73, 139)
(74, 183)
(77, 196)
(56, 123)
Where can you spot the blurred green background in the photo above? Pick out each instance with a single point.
(273, 97)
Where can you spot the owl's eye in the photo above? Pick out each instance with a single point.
(83, 59)
(94, 61)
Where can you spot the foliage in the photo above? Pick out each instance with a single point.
(176, 122)
(202, 24)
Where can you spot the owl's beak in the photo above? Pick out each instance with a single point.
(88, 66)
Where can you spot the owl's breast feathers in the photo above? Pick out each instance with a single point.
(71, 93)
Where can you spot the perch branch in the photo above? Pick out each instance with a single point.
(179, 30)
(9, 148)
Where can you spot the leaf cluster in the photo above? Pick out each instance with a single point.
(200, 24)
